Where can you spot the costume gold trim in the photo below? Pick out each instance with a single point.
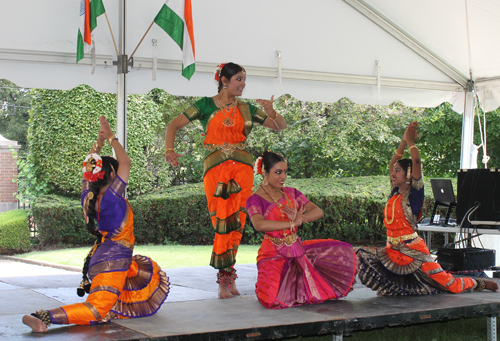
(288, 240)
(418, 184)
(220, 156)
(223, 260)
(231, 223)
(93, 310)
(114, 265)
(225, 190)
(397, 240)
(105, 288)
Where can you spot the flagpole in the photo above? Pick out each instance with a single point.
(144, 36)
(110, 30)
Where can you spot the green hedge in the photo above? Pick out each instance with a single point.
(353, 212)
(14, 231)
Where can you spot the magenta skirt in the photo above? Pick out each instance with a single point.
(307, 272)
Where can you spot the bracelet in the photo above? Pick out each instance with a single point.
(169, 150)
(396, 152)
(111, 138)
(413, 146)
(275, 116)
(97, 147)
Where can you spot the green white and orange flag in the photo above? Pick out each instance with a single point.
(175, 18)
(89, 11)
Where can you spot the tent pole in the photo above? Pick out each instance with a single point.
(121, 92)
(467, 128)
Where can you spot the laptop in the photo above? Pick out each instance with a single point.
(443, 191)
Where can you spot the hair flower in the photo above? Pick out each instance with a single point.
(218, 71)
(92, 168)
(257, 167)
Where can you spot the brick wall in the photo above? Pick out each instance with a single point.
(8, 172)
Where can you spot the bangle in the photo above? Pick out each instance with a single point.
(97, 147)
(275, 116)
(396, 152)
(111, 138)
(99, 144)
(169, 150)
(412, 146)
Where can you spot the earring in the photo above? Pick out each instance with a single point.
(225, 86)
(264, 180)
(408, 175)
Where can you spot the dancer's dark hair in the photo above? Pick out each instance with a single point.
(269, 159)
(228, 71)
(109, 164)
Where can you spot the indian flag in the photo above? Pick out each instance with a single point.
(175, 18)
(89, 11)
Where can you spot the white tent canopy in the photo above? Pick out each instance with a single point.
(427, 51)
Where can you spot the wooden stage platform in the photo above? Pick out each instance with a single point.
(193, 312)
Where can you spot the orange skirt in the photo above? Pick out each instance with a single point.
(138, 292)
(227, 187)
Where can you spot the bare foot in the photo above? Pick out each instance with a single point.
(233, 289)
(224, 291)
(491, 285)
(36, 324)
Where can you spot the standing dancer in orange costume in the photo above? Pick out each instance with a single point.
(228, 166)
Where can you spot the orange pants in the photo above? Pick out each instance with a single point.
(227, 187)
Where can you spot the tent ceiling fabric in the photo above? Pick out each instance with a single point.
(329, 48)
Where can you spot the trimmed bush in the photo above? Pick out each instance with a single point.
(60, 220)
(14, 232)
(353, 212)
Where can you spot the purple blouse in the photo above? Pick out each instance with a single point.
(113, 204)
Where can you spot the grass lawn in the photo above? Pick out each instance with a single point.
(179, 256)
(167, 256)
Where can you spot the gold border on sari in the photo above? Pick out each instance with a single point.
(223, 260)
(224, 191)
(147, 307)
(220, 156)
(58, 316)
(107, 288)
(118, 187)
(93, 310)
(115, 265)
(230, 224)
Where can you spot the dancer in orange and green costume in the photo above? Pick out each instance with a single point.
(123, 286)
(405, 266)
(228, 166)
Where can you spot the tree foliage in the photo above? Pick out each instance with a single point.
(15, 103)
(64, 124)
(322, 140)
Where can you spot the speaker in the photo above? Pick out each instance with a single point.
(479, 188)
(465, 259)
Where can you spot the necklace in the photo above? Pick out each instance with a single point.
(229, 109)
(393, 211)
(280, 206)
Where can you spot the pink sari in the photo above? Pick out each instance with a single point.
(295, 272)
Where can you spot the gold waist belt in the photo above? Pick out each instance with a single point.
(226, 146)
(397, 240)
(288, 240)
